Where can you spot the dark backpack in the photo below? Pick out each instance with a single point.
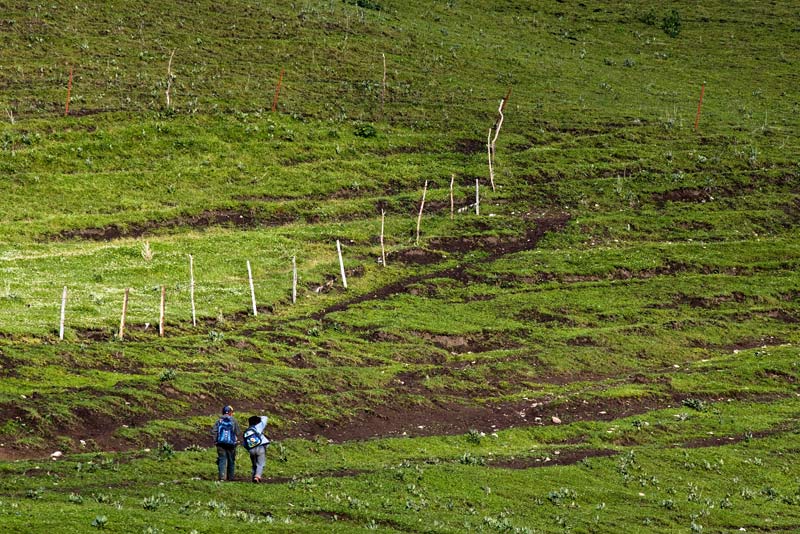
(252, 439)
(225, 433)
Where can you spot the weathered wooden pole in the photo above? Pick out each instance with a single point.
(699, 107)
(69, 93)
(452, 203)
(383, 249)
(191, 289)
(341, 263)
(162, 310)
(124, 313)
(421, 207)
(63, 312)
(252, 288)
(294, 279)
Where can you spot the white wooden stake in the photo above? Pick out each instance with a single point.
(162, 310)
(489, 152)
(191, 289)
(477, 197)
(169, 78)
(294, 279)
(421, 207)
(496, 133)
(124, 313)
(341, 263)
(452, 205)
(383, 84)
(63, 311)
(383, 250)
(252, 288)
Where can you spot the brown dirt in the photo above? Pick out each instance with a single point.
(496, 248)
(242, 218)
(469, 146)
(564, 457)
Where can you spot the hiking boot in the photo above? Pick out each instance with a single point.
(256, 479)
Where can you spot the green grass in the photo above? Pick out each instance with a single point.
(657, 313)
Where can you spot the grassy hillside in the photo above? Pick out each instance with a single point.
(617, 323)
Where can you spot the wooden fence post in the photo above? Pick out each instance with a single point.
(489, 152)
(452, 204)
(124, 313)
(699, 107)
(383, 84)
(69, 92)
(421, 207)
(383, 249)
(252, 288)
(294, 279)
(170, 77)
(162, 310)
(191, 289)
(63, 311)
(341, 263)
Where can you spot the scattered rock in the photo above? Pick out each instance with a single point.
(555, 420)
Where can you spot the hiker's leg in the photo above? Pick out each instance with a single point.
(260, 461)
(254, 463)
(231, 463)
(222, 460)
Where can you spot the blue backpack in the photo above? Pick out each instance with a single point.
(225, 433)
(252, 439)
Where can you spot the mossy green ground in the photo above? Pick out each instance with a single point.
(630, 275)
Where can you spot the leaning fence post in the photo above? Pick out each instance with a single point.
(63, 311)
(383, 250)
(341, 263)
(252, 288)
(124, 313)
(162, 309)
(294, 279)
(421, 207)
(191, 289)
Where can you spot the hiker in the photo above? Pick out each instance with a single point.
(256, 444)
(226, 432)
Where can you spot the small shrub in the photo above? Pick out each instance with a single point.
(671, 24)
(34, 494)
(74, 498)
(165, 451)
(99, 522)
(695, 404)
(154, 502)
(474, 437)
(365, 131)
(557, 497)
(650, 18)
(167, 375)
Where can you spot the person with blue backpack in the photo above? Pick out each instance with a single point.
(256, 444)
(226, 433)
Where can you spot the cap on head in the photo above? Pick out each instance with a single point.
(227, 410)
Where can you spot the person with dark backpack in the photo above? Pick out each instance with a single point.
(256, 444)
(226, 434)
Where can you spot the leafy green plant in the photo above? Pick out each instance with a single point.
(671, 23)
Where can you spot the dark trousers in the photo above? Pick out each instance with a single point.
(226, 461)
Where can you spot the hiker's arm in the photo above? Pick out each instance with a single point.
(262, 425)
